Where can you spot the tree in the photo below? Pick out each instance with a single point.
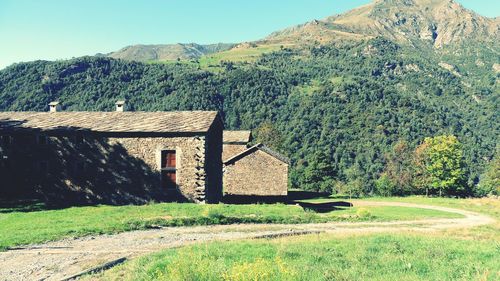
(442, 159)
(421, 178)
(355, 180)
(267, 134)
(384, 186)
(398, 170)
(319, 173)
(489, 183)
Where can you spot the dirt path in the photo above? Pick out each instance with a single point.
(65, 258)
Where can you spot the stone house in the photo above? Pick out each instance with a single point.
(111, 157)
(252, 171)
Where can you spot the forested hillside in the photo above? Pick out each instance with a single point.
(336, 110)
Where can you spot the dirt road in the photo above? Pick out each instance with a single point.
(65, 258)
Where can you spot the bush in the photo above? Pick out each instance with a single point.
(363, 213)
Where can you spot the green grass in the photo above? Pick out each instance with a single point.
(489, 206)
(461, 254)
(249, 54)
(321, 257)
(212, 62)
(20, 226)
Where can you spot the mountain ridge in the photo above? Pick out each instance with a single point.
(160, 52)
(438, 22)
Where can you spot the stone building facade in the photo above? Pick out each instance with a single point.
(256, 171)
(111, 157)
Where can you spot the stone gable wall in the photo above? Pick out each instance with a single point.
(256, 174)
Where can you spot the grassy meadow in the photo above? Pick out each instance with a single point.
(244, 54)
(320, 257)
(21, 225)
(461, 254)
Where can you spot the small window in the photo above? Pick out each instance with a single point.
(42, 140)
(6, 140)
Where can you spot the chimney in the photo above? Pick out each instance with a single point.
(54, 106)
(120, 106)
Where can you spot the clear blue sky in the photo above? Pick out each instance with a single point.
(60, 29)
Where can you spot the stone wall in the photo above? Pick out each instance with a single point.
(213, 163)
(90, 168)
(190, 164)
(256, 174)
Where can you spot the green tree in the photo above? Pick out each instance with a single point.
(267, 134)
(490, 179)
(319, 173)
(443, 159)
(356, 181)
(384, 186)
(398, 170)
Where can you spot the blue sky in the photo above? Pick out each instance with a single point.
(61, 29)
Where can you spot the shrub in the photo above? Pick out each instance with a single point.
(363, 213)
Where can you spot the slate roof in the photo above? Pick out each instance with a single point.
(254, 148)
(110, 122)
(240, 137)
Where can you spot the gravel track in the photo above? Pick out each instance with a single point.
(62, 259)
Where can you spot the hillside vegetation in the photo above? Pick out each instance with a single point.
(350, 114)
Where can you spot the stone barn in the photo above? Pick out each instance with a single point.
(253, 171)
(111, 157)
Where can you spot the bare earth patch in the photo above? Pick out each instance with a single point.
(65, 258)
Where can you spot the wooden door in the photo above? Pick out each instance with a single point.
(168, 169)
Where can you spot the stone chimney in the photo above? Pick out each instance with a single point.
(54, 106)
(120, 106)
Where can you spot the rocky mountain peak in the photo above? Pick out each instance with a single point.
(438, 22)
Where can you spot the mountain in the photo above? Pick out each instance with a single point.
(437, 22)
(145, 53)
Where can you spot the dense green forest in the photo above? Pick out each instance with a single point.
(336, 110)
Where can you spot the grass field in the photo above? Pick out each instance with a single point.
(32, 224)
(321, 257)
(248, 54)
(449, 255)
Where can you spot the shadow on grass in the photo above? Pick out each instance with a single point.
(325, 207)
(294, 198)
(22, 206)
